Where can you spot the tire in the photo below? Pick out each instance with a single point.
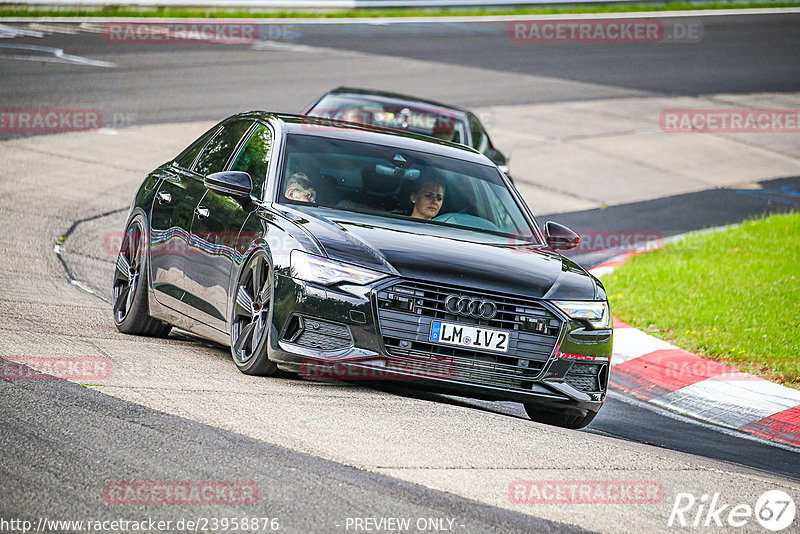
(130, 306)
(252, 318)
(562, 418)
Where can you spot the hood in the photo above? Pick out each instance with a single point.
(447, 255)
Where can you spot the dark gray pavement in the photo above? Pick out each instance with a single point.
(62, 443)
(159, 82)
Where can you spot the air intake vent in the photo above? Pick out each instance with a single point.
(316, 334)
(584, 376)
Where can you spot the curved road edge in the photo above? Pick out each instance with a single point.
(663, 374)
(120, 439)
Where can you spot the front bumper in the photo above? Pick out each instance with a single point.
(358, 333)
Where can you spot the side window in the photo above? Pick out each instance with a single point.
(254, 156)
(217, 152)
(187, 157)
(460, 132)
(498, 199)
(480, 140)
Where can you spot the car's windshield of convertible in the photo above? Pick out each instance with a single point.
(399, 183)
(427, 120)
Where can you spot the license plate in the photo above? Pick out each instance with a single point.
(469, 336)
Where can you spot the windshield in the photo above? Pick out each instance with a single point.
(426, 120)
(391, 182)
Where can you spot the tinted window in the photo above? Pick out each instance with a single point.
(254, 156)
(480, 141)
(501, 209)
(216, 154)
(396, 114)
(392, 182)
(188, 156)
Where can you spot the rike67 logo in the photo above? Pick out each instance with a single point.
(774, 510)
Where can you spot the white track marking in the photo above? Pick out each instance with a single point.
(633, 401)
(9, 32)
(49, 28)
(733, 402)
(630, 343)
(55, 55)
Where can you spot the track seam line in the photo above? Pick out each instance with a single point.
(58, 248)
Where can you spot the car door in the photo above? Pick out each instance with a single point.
(170, 222)
(215, 234)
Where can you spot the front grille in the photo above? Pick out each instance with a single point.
(406, 310)
(584, 376)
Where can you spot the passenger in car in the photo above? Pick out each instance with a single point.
(445, 131)
(427, 199)
(300, 188)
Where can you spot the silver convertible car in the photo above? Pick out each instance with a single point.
(408, 114)
(343, 251)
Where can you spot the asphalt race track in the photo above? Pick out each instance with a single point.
(325, 454)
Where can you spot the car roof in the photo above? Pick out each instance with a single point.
(385, 95)
(322, 127)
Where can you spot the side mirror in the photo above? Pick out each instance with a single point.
(559, 237)
(236, 184)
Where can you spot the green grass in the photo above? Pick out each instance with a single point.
(11, 10)
(732, 296)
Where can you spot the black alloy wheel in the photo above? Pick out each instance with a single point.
(131, 309)
(252, 316)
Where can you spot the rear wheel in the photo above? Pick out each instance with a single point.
(252, 316)
(562, 418)
(131, 310)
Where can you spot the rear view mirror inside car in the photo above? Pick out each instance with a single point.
(390, 170)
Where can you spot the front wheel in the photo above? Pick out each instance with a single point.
(252, 316)
(562, 418)
(131, 310)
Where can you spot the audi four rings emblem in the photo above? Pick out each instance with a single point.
(477, 308)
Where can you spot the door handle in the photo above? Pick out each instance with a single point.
(201, 212)
(164, 198)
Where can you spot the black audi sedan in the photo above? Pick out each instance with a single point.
(341, 251)
(410, 114)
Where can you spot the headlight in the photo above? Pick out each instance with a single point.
(327, 272)
(596, 312)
